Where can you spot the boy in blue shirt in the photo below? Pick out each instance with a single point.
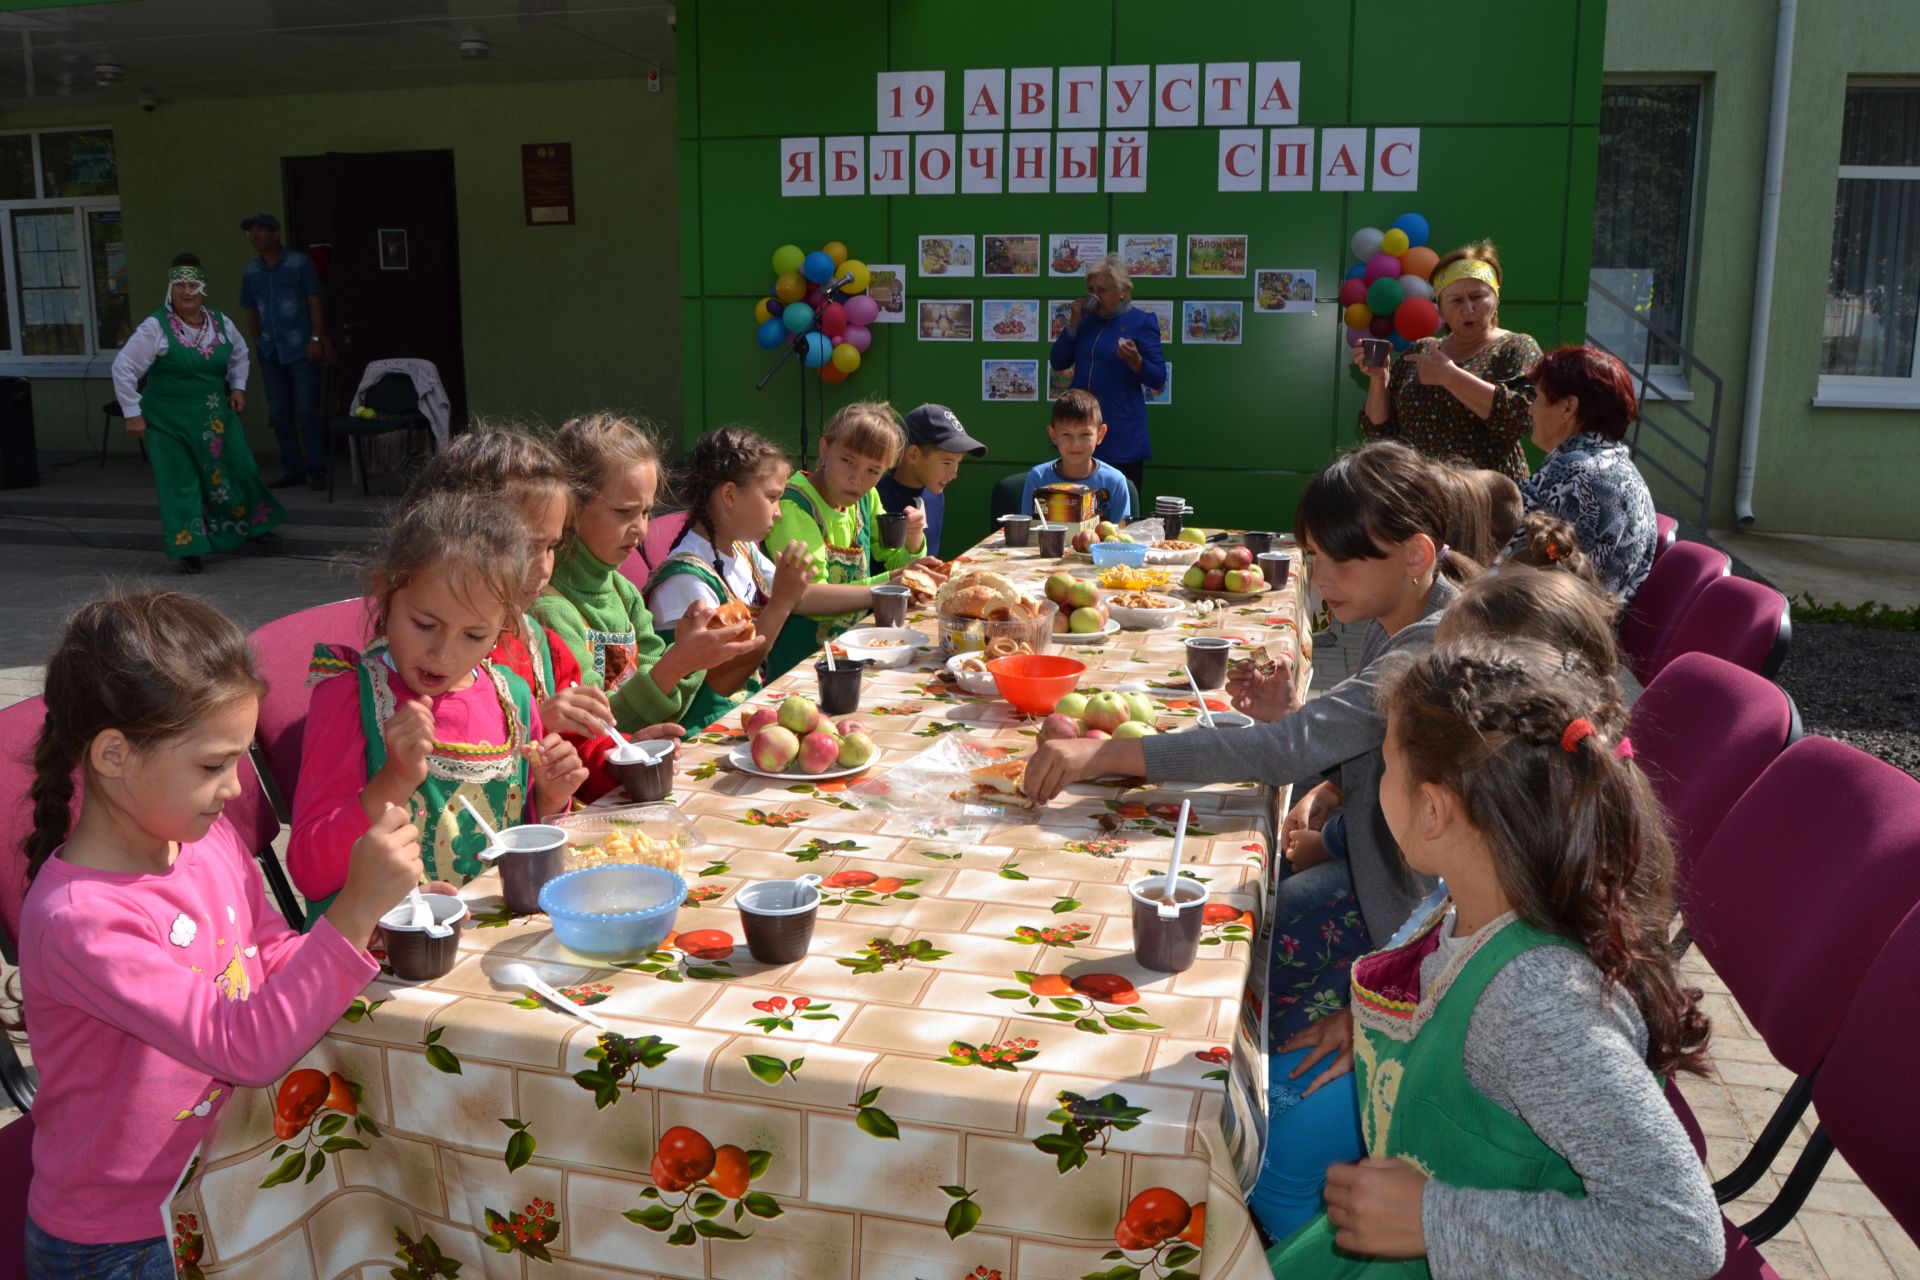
(1077, 428)
(936, 443)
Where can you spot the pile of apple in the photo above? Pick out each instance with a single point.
(1100, 715)
(1105, 531)
(1081, 611)
(800, 738)
(1225, 569)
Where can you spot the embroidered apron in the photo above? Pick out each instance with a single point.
(803, 636)
(708, 704)
(492, 776)
(1416, 1102)
(541, 654)
(211, 494)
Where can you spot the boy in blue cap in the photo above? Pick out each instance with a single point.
(936, 442)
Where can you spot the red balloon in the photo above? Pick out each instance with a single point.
(833, 320)
(1352, 291)
(1382, 327)
(831, 373)
(1416, 318)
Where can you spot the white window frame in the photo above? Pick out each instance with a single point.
(87, 363)
(1872, 391)
(1671, 377)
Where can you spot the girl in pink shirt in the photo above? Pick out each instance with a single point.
(422, 718)
(155, 977)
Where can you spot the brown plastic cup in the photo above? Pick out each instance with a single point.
(644, 770)
(893, 529)
(1276, 567)
(1052, 539)
(777, 917)
(415, 955)
(530, 856)
(890, 603)
(1207, 660)
(1257, 541)
(1167, 946)
(1016, 529)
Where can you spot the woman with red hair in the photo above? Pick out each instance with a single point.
(1583, 404)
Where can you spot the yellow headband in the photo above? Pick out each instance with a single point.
(1465, 269)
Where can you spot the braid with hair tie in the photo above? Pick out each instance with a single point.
(725, 455)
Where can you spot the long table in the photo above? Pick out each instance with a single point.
(966, 1077)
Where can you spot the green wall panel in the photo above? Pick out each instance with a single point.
(1488, 62)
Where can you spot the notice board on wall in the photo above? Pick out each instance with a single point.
(1136, 124)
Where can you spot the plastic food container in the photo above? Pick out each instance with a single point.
(882, 646)
(613, 912)
(1035, 683)
(656, 835)
(977, 635)
(1107, 554)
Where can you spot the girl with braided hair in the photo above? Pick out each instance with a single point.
(732, 484)
(1545, 541)
(1509, 1055)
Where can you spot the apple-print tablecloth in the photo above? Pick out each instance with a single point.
(967, 1078)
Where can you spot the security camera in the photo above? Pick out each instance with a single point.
(673, 20)
(148, 102)
(474, 44)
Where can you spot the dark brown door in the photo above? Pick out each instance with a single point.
(392, 255)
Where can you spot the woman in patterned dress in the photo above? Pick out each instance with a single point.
(1461, 396)
(195, 365)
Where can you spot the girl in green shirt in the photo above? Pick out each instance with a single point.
(834, 512)
(614, 468)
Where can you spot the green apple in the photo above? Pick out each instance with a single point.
(1105, 711)
(1074, 705)
(1085, 622)
(1058, 584)
(1195, 578)
(1193, 535)
(1082, 594)
(1139, 707)
(1135, 729)
(1106, 529)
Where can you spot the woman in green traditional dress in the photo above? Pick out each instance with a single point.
(195, 365)
(1509, 1058)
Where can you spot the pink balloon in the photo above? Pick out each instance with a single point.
(1352, 291)
(833, 320)
(857, 336)
(817, 296)
(1382, 264)
(862, 310)
(1354, 336)
(1382, 327)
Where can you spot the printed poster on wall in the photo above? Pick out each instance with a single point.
(1288, 290)
(1215, 257)
(1151, 255)
(1010, 321)
(946, 320)
(946, 256)
(1010, 380)
(1058, 314)
(1059, 382)
(1017, 256)
(1161, 310)
(1165, 394)
(888, 289)
(1069, 254)
(1214, 324)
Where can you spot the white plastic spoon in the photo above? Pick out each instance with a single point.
(523, 975)
(1200, 699)
(1170, 907)
(494, 848)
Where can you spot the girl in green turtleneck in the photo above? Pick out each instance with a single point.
(590, 604)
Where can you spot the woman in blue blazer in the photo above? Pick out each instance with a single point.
(1114, 352)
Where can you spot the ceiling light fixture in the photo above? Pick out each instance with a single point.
(474, 44)
(107, 71)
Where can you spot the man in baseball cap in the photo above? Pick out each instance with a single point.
(936, 442)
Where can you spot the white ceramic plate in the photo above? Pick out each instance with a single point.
(857, 644)
(1068, 639)
(741, 758)
(1146, 619)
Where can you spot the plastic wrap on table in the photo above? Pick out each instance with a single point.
(929, 793)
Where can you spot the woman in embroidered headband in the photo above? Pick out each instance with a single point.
(194, 364)
(1508, 1056)
(1463, 394)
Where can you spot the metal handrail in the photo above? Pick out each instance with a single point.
(1709, 426)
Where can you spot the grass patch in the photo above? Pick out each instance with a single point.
(1872, 615)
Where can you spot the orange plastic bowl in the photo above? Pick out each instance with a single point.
(1035, 682)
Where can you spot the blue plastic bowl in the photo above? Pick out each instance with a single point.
(613, 912)
(1107, 554)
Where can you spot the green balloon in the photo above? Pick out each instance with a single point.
(1384, 296)
(787, 258)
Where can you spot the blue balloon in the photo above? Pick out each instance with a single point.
(1357, 271)
(775, 306)
(798, 317)
(1399, 343)
(1416, 228)
(819, 347)
(772, 333)
(818, 267)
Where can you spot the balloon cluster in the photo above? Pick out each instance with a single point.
(819, 303)
(1385, 293)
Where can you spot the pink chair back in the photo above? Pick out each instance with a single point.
(1880, 1033)
(16, 1160)
(1675, 581)
(19, 728)
(662, 533)
(636, 569)
(285, 651)
(1703, 731)
(1747, 623)
(1800, 888)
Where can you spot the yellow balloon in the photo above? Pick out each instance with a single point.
(835, 250)
(846, 357)
(1359, 316)
(1395, 242)
(790, 288)
(861, 277)
(762, 311)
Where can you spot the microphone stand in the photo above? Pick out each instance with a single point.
(796, 347)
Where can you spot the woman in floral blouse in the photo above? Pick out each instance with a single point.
(1580, 416)
(1462, 396)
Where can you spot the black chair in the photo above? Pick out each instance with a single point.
(396, 407)
(108, 412)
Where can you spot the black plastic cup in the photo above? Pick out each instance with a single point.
(534, 854)
(1016, 529)
(1257, 541)
(413, 954)
(1052, 539)
(840, 686)
(642, 776)
(1167, 946)
(890, 605)
(777, 916)
(1207, 660)
(893, 528)
(1374, 352)
(1276, 567)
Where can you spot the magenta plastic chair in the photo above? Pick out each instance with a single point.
(1675, 581)
(1794, 896)
(1703, 730)
(662, 532)
(1666, 533)
(284, 648)
(16, 1174)
(1747, 623)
